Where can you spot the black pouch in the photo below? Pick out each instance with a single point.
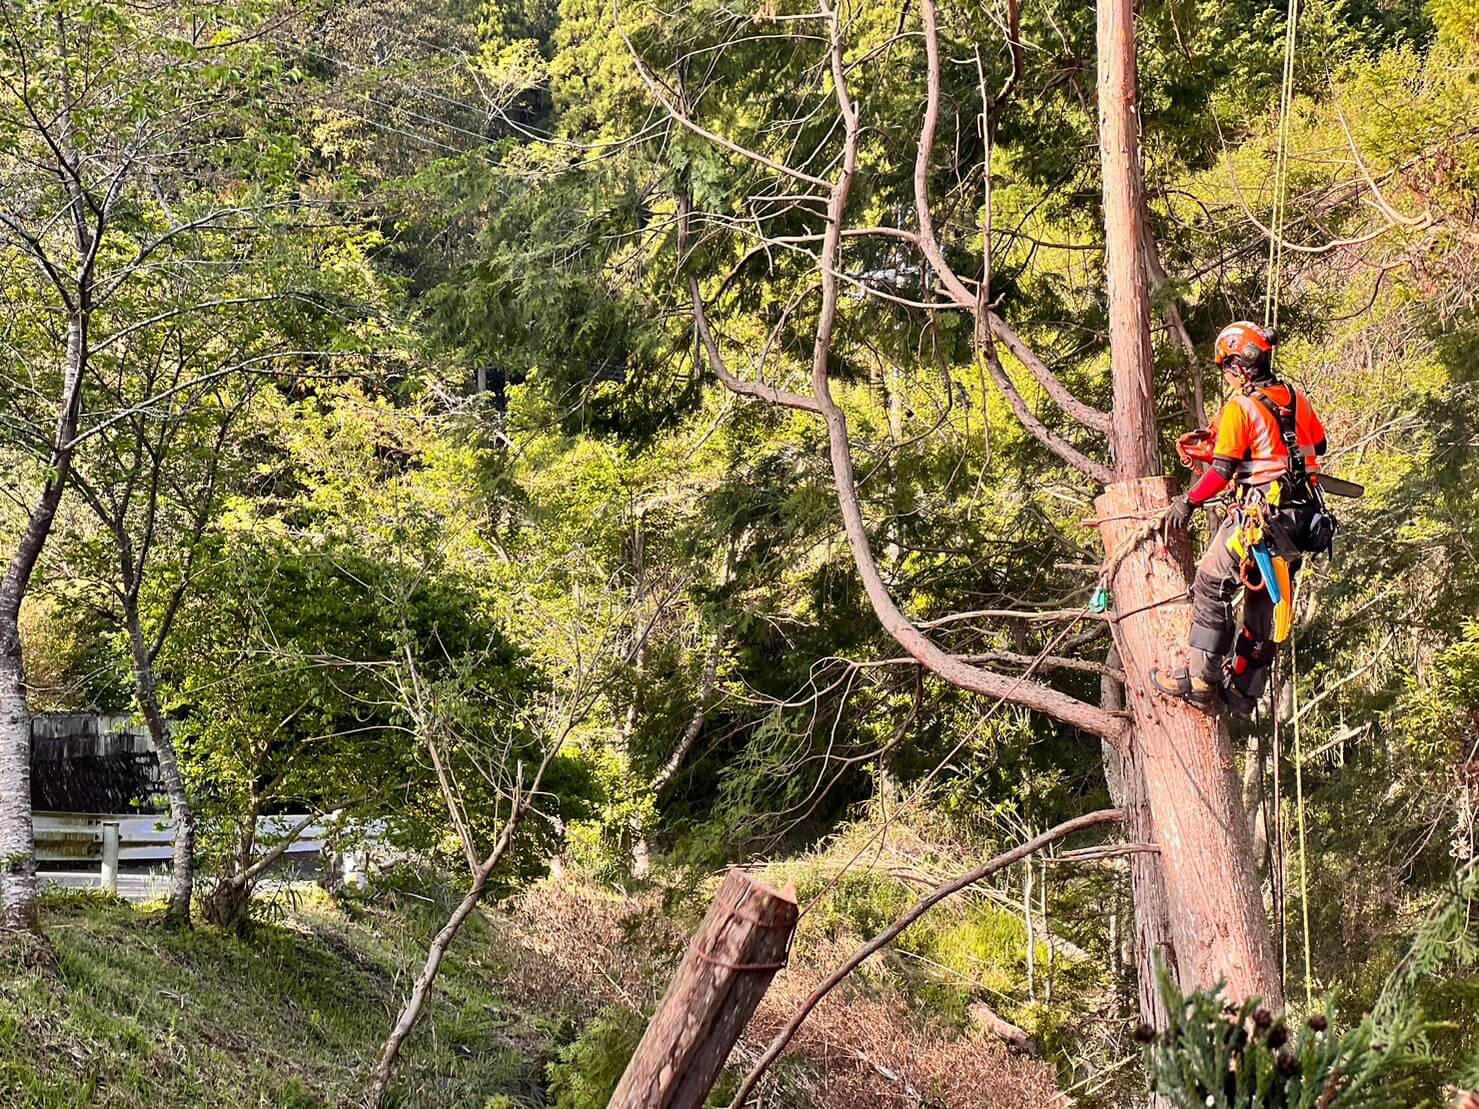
(1315, 533)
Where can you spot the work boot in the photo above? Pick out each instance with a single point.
(1191, 688)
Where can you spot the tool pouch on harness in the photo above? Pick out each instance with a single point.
(1314, 524)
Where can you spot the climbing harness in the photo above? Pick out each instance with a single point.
(1262, 569)
(1318, 525)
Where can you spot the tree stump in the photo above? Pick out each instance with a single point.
(734, 955)
(1218, 925)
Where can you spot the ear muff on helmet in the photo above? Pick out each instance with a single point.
(1245, 347)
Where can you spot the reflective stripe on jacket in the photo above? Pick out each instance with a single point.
(1247, 434)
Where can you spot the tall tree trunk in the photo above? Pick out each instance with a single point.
(146, 691)
(1218, 924)
(1124, 771)
(17, 842)
(17, 850)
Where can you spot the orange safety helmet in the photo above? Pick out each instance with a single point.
(1243, 345)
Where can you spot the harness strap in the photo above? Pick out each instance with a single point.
(1287, 420)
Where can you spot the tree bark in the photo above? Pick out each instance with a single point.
(17, 843)
(1154, 949)
(17, 850)
(1133, 435)
(146, 692)
(733, 957)
(1218, 926)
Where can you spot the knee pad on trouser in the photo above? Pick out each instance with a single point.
(1214, 639)
(1212, 612)
(1252, 660)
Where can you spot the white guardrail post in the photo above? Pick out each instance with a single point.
(108, 879)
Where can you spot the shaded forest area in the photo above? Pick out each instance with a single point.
(600, 444)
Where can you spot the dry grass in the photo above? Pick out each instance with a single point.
(860, 1049)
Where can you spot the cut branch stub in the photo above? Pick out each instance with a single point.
(729, 965)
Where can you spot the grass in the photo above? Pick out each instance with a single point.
(136, 1015)
(537, 1007)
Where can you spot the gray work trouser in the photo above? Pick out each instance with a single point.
(1214, 630)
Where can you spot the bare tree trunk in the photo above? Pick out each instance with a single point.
(17, 850)
(1254, 783)
(17, 843)
(416, 1004)
(410, 1014)
(1133, 436)
(1218, 925)
(1217, 917)
(146, 691)
(1154, 949)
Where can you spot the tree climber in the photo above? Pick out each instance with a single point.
(1266, 443)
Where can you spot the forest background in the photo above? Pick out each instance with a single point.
(353, 347)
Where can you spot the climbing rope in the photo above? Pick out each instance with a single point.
(1281, 175)
(1304, 881)
(1277, 222)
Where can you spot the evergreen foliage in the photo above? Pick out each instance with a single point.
(436, 382)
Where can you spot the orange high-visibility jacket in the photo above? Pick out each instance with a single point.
(1246, 434)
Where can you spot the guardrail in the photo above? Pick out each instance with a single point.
(112, 840)
(78, 837)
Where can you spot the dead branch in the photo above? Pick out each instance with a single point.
(759, 389)
(665, 100)
(1085, 414)
(930, 247)
(983, 1016)
(1031, 694)
(894, 930)
(1039, 430)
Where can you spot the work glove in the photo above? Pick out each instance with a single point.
(1179, 514)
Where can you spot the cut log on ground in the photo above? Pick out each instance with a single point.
(987, 1019)
(730, 963)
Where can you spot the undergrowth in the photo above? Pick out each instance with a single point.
(137, 1015)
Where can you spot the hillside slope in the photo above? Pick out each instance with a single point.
(538, 1006)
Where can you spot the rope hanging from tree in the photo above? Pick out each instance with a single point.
(1272, 290)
